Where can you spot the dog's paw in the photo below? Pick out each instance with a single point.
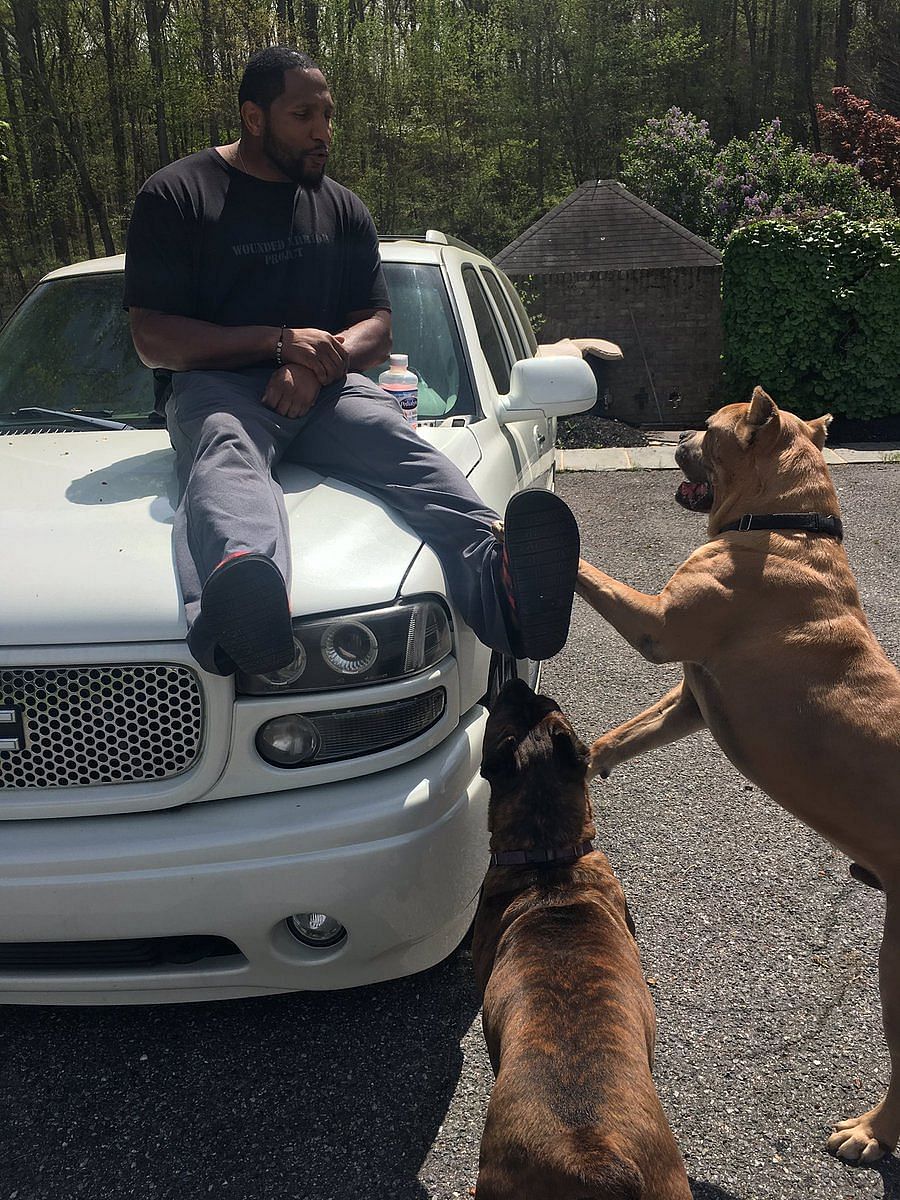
(599, 766)
(860, 1140)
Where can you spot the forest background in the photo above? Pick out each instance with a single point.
(474, 116)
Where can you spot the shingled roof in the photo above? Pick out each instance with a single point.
(604, 227)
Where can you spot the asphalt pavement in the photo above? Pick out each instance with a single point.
(759, 949)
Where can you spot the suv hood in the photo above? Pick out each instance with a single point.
(86, 536)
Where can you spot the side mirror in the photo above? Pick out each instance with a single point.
(556, 386)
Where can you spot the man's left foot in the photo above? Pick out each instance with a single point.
(539, 566)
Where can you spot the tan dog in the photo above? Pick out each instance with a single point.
(780, 664)
(568, 1019)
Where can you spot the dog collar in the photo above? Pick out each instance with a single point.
(812, 522)
(542, 857)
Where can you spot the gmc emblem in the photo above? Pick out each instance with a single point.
(12, 728)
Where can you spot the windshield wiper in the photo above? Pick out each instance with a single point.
(98, 422)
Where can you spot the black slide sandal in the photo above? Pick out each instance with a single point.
(541, 551)
(245, 604)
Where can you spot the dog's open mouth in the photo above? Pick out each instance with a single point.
(697, 497)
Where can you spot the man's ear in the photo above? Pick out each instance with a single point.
(499, 759)
(818, 429)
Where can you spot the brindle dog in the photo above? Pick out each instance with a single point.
(568, 1019)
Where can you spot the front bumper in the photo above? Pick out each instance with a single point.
(397, 857)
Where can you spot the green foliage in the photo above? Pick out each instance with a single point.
(673, 163)
(669, 163)
(811, 310)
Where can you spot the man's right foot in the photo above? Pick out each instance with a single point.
(245, 605)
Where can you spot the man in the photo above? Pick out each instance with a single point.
(256, 294)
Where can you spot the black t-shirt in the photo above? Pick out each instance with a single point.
(212, 242)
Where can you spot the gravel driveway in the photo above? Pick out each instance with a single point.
(759, 948)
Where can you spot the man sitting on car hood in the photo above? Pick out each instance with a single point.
(256, 293)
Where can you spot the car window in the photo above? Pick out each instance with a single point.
(489, 335)
(424, 329)
(501, 300)
(68, 346)
(519, 308)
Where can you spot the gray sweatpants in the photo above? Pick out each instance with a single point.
(227, 444)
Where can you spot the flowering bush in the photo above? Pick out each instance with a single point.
(673, 164)
(668, 163)
(860, 134)
(810, 310)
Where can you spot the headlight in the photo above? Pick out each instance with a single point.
(349, 647)
(354, 649)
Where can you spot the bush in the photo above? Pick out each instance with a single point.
(811, 309)
(673, 164)
(856, 132)
(669, 163)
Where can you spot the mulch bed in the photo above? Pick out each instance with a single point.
(588, 432)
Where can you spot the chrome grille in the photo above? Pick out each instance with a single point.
(89, 726)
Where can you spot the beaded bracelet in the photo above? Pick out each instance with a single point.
(279, 346)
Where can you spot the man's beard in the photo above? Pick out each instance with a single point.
(291, 163)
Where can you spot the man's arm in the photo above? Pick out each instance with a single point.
(185, 344)
(293, 390)
(367, 338)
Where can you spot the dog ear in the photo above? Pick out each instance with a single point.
(762, 413)
(818, 429)
(569, 750)
(500, 758)
(762, 408)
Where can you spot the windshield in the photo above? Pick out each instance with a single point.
(68, 347)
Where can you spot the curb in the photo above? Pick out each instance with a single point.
(662, 458)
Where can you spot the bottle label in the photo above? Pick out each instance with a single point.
(408, 401)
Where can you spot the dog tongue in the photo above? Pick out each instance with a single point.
(697, 497)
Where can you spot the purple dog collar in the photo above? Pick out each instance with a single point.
(553, 856)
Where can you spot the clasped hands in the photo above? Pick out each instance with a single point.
(312, 358)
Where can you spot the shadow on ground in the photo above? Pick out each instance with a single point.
(330, 1095)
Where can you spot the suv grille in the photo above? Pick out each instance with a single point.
(88, 726)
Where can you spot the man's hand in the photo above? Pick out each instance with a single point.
(320, 352)
(291, 391)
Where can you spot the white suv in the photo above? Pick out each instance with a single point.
(155, 844)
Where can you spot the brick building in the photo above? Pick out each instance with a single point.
(605, 264)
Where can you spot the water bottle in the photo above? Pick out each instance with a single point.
(403, 385)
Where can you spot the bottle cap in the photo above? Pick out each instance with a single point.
(399, 362)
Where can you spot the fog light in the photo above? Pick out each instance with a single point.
(287, 741)
(349, 647)
(316, 929)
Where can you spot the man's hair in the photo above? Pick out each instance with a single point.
(263, 78)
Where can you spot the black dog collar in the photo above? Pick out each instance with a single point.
(812, 522)
(551, 857)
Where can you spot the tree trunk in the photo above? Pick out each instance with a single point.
(803, 92)
(39, 128)
(155, 13)
(115, 105)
